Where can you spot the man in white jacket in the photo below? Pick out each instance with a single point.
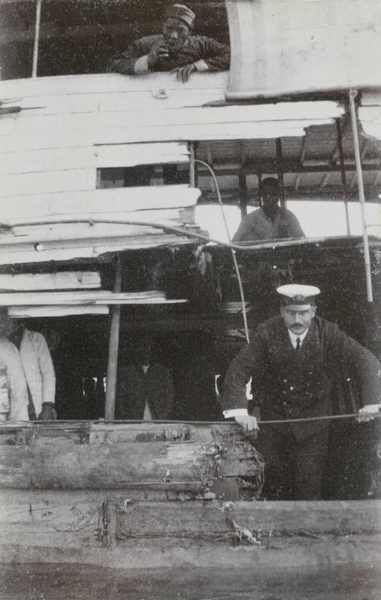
(37, 366)
(15, 380)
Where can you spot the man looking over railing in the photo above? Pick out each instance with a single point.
(175, 50)
(270, 221)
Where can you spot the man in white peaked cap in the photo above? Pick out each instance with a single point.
(302, 367)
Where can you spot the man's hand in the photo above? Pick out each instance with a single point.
(247, 422)
(48, 412)
(183, 73)
(368, 412)
(157, 52)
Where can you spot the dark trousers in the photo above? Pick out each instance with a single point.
(294, 468)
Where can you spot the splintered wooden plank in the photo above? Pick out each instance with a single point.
(28, 184)
(120, 155)
(91, 248)
(210, 131)
(106, 83)
(27, 312)
(191, 519)
(52, 159)
(68, 280)
(95, 297)
(108, 202)
(121, 465)
(57, 456)
(128, 155)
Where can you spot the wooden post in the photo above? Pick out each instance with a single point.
(360, 184)
(343, 175)
(113, 349)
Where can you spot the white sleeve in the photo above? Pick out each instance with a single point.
(235, 412)
(141, 66)
(201, 66)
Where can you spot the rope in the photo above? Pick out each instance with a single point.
(272, 422)
(236, 267)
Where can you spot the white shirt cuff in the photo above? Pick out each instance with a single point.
(201, 66)
(235, 412)
(141, 66)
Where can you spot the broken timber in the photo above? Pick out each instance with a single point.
(167, 456)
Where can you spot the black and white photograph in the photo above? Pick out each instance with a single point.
(190, 300)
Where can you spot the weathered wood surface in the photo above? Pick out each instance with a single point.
(263, 518)
(82, 297)
(88, 111)
(54, 526)
(58, 310)
(51, 156)
(122, 200)
(73, 456)
(134, 238)
(62, 226)
(69, 280)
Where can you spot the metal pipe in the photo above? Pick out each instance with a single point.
(36, 38)
(113, 349)
(280, 169)
(360, 184)
(192, 165)
(343, 176)
(242, 182)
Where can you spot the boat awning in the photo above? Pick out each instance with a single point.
(281, 47)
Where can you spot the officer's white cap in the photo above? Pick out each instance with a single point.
(295, 293)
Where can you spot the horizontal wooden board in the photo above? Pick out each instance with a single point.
(128, 155)
(90, 248)
(62, 457)
(28, 184)
(187, 519)
(64, 510)
(51, 159)
(103, 201)
(162, 119)
(81, 228)
(50, 281)
(47, 139)
(81, 298)
(29, 312)
(51, 297)
(107, 83)
(89, 103)
(201, 132)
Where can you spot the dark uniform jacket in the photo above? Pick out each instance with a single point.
(330, 374)
(216, 55)
(135, 388)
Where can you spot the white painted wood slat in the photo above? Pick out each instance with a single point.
(109, 201)
(26, 312)
(108, 82)
(52, 159)
(50, 281)
(119, 155)
(27, 184)
(128, 155)
(65, 251)
(91, 297)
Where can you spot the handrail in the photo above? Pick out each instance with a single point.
(360, 184)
